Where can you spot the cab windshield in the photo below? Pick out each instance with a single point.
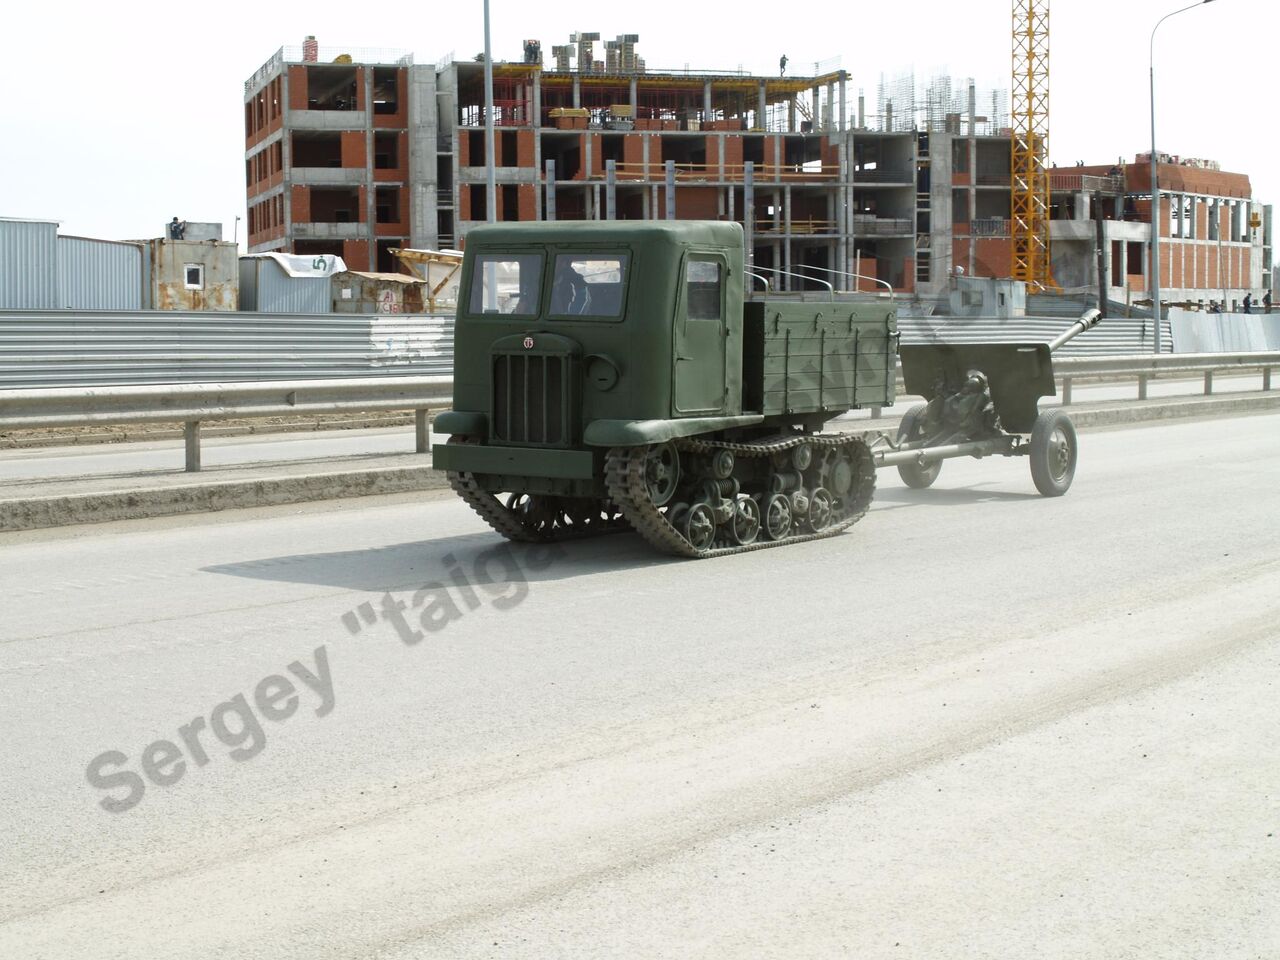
(588, 285)
(509, 283)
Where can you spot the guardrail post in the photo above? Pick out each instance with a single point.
(1266, 378)
(191, 434)
(421, 431)
(877, 413)
(1142, 386)
(1066, 391)
(1208, 383)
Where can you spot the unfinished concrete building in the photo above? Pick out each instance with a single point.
(1215, 239)
(353, 153)
(339, 153)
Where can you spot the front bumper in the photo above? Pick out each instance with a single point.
(514, 461)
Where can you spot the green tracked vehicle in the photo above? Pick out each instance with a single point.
(612, 376)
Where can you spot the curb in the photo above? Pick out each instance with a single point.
(135, 503)
(205, 497)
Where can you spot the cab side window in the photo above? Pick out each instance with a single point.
(703, 289)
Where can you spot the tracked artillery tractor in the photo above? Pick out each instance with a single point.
(612, 376)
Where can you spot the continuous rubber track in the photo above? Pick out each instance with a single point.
(625, 480)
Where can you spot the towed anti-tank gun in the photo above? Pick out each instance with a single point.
(983, 400)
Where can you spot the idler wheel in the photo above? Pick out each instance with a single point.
(662, 472)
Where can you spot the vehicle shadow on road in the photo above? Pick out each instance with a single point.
(402, 565)
(944, 496)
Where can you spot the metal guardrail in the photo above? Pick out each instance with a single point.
(195, 403)
(1144, 369)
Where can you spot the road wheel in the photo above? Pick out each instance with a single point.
(700, 527)
(1053, 453)
(746, 520)
(777, 516)
(916, 475)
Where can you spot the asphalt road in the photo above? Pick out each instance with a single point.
(981, 724)
(166, 456)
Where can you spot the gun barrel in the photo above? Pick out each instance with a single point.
(1087, 321)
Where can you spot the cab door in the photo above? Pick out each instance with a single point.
(698, 381)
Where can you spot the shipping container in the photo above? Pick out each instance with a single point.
(102, 275)
(286, 283)
(359, 292)
(28, 264)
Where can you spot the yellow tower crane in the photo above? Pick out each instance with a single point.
(1030, 148)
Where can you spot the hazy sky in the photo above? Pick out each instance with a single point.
(119, 116)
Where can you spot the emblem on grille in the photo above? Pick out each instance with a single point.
(528, 343)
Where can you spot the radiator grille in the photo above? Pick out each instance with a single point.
(532, 402)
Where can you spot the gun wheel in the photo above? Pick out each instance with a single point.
(1054, 451)
(917, 476)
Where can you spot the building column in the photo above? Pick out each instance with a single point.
(535, 121)
(577, 92)
(782, 230)
(371, 187)
(706, 102)
(762, 108)
(748, 209)
(610, 190)
(842, 123)
(550, 210)
(972, 192)
(671, 189)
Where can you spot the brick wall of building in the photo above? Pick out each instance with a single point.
(354, 152)
(300, 204)
(297, 88)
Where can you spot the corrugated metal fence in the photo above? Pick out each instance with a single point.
(1115, 336)
(54, 348)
